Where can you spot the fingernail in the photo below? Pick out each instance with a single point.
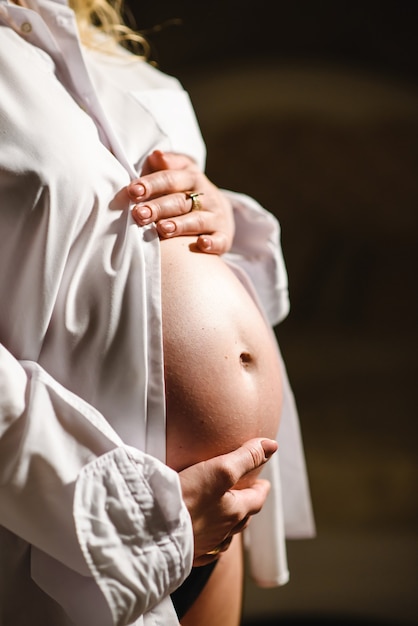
(167, 227)
(141, 213)
(205, 243)
(269, 446)
(137, 190)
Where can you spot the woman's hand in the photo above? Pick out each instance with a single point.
(219, 508)
(162, 195)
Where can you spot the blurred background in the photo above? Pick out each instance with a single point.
(312, 108)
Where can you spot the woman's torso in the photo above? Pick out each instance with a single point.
(221, 369)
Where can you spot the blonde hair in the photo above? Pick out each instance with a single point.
(106, 16)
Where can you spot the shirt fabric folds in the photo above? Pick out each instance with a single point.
(93, 530)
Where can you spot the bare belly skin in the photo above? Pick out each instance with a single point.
(221, 366)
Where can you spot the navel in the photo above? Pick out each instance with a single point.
(246, 359)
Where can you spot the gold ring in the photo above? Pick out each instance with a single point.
(196, 204)
(214, 552)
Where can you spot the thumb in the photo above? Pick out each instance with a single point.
(169, 160)
(248, 457)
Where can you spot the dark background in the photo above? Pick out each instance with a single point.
(312, 108)
(378, 34)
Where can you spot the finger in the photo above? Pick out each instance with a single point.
(159, 160)
(243, 462)
(198, 222)
(169, 206)
(169, 160)
(241, 525)
(154, 162)
(248, 501)
(215, 243)
(214, 554)
(163, 182)
(223, 547)
(195, 223)
(188, 223)
(236, 464)
(157, 184)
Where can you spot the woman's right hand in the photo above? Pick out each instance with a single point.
(219, 508)
(162, 194)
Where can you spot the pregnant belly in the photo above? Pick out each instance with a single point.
(221, 365)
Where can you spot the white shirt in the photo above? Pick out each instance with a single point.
(93, 530)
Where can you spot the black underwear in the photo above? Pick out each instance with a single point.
(187, 593)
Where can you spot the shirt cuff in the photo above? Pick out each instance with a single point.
(134, 530)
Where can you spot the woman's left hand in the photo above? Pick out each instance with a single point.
(162, 195)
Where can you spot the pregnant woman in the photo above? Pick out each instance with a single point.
(222, 372)
(124, 353)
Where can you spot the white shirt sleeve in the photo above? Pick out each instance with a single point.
(256, 249)
(98, 508)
